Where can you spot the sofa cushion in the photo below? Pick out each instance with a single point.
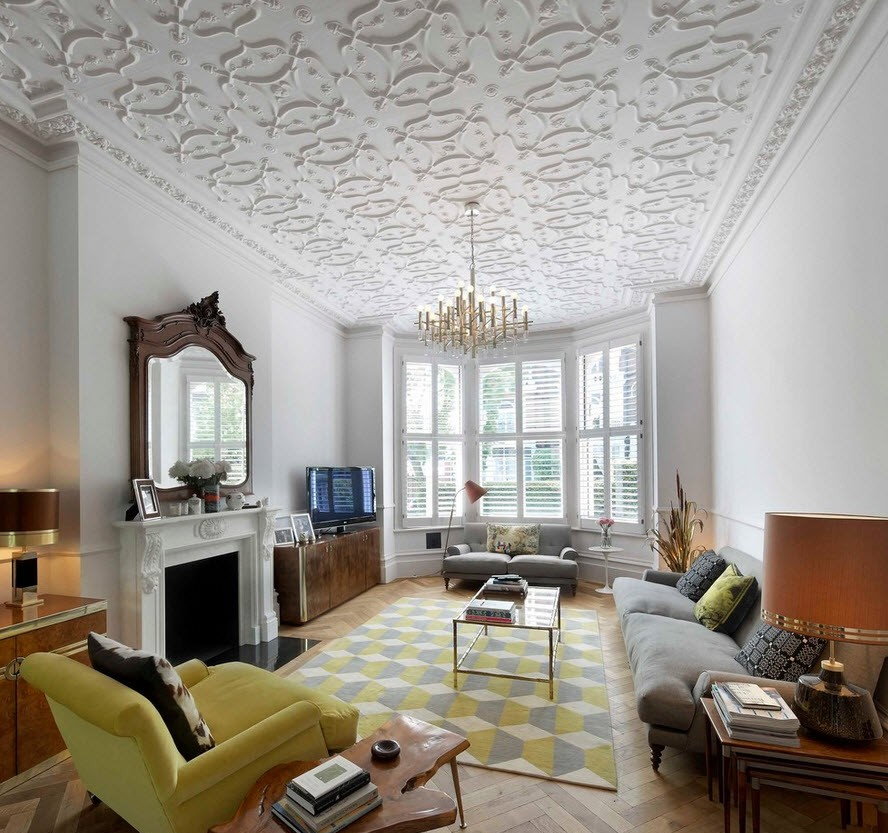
(701, 575)
(632, 595)
(777, 654)
(477, 563)
(725, 605)
(667, 656)
(157, 681)
(513, 539)
(543, 566)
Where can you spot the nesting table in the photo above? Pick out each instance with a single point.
(849, 772)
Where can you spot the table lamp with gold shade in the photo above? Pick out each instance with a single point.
(826, 576)
(28, 518)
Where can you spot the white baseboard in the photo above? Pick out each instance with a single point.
(411, 564)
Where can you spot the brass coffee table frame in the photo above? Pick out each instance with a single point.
(553, 627)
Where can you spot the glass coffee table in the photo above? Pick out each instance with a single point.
(539, 610)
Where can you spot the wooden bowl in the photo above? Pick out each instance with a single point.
(385, 750)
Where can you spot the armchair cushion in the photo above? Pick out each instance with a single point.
(513, 539)
(237, 682)
(701, 575)
(155, 679)
(777, 654)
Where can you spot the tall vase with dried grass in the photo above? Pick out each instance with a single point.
(673, 539)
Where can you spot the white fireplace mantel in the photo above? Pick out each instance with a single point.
(147, 548)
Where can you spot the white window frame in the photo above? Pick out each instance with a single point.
(520, 436)
(439, 515)
(621, 527)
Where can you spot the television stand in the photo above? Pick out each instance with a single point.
(313, 578)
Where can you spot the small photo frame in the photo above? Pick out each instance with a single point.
(146, 498)
(283, 532)
(302, 528)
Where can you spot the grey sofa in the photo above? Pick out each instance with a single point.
(674, 659)
(555, 566)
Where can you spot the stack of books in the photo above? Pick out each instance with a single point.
(755, 713)
(491, 611)
(327, 798)
(499, 585)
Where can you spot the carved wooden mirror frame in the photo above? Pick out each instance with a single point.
(200, 324)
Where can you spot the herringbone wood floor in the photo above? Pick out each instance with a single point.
(647, 802)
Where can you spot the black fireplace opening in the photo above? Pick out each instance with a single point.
(202, 616)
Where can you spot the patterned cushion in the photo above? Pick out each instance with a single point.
(701, 574)
(725, 605)
(513, 539)
(156, 680)
(777, 654)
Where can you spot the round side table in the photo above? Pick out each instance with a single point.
(605, 551)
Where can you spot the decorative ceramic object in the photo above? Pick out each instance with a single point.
(385, 750)
(174, 509)
(235, 500)
(195, 505)
(212, 498)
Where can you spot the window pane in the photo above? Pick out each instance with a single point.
(499, 474)
(449, 399)
(541, 395)
(623, 385)
(591, 384)
(232, 412)
(201, 412)
(497, 394)
(418, 480)
(237, 457)
(591, 477)
(624, 478)
(542, 479)
(418, 398)
(450, 477)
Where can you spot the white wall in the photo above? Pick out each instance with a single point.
(682, 408)
(799, 335)
(24, 324)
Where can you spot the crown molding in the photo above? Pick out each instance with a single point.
(818, 70)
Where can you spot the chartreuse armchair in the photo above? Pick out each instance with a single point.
(126, 757)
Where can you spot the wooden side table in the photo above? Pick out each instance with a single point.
(848, 772)
(605, 551)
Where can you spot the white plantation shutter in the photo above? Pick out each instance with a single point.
(499, 474)
(542, 479)
(433, 446)
(592, 477)
(610, 433)
(418, 389)
(496, 397)
(418, 479)
(201, 412)
(541, 396)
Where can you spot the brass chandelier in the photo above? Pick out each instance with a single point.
(471, 322)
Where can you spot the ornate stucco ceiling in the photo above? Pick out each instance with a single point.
(345, 136)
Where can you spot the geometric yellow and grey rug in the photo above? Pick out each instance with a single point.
(401, 661)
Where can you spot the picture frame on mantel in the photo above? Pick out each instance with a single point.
(283, 532)
(147, 500)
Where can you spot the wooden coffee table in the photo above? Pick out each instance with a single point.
(407, 806)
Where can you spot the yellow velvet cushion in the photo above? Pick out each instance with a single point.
(259, 694)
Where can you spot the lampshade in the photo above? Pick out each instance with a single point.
(474, 492)
(825, 576)
(29, 517)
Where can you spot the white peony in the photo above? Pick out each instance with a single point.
(203, 469)
(179, 470)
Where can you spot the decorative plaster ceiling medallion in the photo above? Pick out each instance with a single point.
(341, 140)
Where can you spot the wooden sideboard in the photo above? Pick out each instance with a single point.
(313, 578)
(28, 733)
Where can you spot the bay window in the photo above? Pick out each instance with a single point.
(610, 434)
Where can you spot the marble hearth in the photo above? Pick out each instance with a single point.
(147, 548)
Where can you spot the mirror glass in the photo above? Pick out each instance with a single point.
(196, 409)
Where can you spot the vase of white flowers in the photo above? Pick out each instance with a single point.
(203, 477)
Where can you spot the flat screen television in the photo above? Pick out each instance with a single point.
(340, 495)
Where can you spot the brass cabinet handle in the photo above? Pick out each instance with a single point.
(13, 669)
